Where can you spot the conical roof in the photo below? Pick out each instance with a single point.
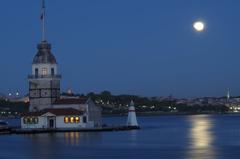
(131, 103)
(44, 55)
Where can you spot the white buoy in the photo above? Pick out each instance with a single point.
(132, 119)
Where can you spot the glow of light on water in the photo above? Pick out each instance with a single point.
(201, 138)
(72, 138)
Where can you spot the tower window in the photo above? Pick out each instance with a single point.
(36, 71)
(44, 71)
(84, 119)
(52, 71)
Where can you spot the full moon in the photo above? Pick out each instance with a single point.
(199, 26)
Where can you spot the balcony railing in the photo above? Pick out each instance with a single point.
(43, 76)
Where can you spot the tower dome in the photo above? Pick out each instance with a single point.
(44, 55)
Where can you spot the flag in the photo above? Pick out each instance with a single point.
(43, 10)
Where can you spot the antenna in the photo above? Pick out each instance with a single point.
(228, 94)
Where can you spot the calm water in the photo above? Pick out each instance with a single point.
(161, 137)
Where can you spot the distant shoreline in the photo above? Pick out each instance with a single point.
(171, 114)
(153, 114)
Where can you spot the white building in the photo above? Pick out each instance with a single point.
(55, 118)
(65, 113)
(85, 105)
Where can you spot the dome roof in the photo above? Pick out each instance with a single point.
(44, 55)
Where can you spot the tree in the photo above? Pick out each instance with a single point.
(106, 94)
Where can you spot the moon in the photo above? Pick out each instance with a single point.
(199, 26)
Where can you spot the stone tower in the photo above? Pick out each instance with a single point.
(44, 82)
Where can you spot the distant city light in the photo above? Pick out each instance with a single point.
(69, 91)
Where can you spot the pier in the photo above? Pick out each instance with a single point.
(58, 130)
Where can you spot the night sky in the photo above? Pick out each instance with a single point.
(142, 47)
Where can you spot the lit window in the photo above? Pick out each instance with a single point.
(44, 71)
(30, 120)
(77, 119)
(35, 120)
(66, 119)
(25, 120)
(72, 119)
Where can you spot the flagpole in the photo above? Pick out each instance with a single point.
(43, 29)
(43, 20)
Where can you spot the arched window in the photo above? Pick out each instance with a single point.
(77, 119)
(44, 71)
(66, 119)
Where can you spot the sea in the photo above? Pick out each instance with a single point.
(160, 137)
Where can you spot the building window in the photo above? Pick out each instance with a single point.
(35, 120)
(36, 72)
(84, 119)
(77, 119)
(44, 71)
(30, 120)
(66, 119)
(52, 71)
(25, 120)
(72, 119)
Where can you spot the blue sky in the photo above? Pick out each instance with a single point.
(142, 47)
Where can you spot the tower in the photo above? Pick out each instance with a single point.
(228, 94)
(132, 119)
(228, 103)
(44, 82)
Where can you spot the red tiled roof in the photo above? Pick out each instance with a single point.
(71, 101)
(32, 113)
(64, 111)
(57, 112)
